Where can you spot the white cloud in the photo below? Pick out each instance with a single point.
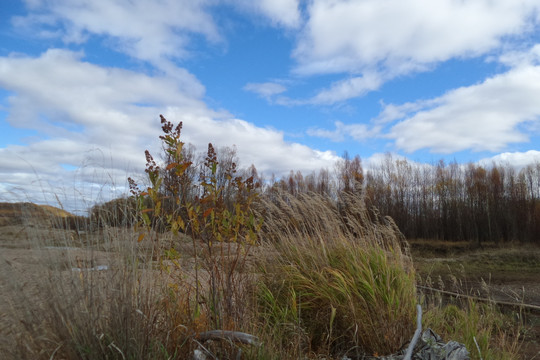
(350, 36)
(392, 112)
(284, 13)
(100, 120)
(518, 160)
(358, 132)
(265, 90)
(347, 89)
(484, 117)
(263, 147)
(71, 93)
(521, 58)
(395, 37)
(147, 30)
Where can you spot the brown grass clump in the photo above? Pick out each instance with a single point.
(337, 283)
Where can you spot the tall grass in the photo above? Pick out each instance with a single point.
(337, 283)
(481, 326)
(85, 294)
(333, 280)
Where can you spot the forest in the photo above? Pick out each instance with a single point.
(456, 202)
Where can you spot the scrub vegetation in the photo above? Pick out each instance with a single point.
(300, 267)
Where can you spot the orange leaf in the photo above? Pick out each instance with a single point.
(170, 166)
(208, 212)
(141, 236)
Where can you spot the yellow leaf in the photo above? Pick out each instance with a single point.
(180, 223)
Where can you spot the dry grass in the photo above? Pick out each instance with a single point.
(330, 278)
(338, 283)
(486, 332)
(91, 296)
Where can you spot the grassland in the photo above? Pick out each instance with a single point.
(105, 293)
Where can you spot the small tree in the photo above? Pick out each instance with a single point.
(225, 229)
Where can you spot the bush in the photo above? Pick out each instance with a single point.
(118, 212)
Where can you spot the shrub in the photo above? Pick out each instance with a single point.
(220, 220)
(117, 212)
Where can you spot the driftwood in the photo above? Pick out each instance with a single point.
(535, 308)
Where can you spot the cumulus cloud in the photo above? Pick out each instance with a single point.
(488, 116)
(148, 30)
(58, 91)
(395, 37)
(263, 147)
(518, 160)
(344, 36)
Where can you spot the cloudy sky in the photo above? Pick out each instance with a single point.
(291, 83)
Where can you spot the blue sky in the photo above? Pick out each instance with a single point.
(291, 83)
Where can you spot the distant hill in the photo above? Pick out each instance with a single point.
(26, 212)
(56, 211)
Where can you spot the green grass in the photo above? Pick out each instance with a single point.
(482, 328)
(339, 296)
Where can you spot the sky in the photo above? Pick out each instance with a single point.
(291, 84)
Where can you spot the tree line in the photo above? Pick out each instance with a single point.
(445, 201)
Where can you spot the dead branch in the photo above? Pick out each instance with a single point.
(417, 333)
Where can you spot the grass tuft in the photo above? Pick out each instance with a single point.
(328, 290)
